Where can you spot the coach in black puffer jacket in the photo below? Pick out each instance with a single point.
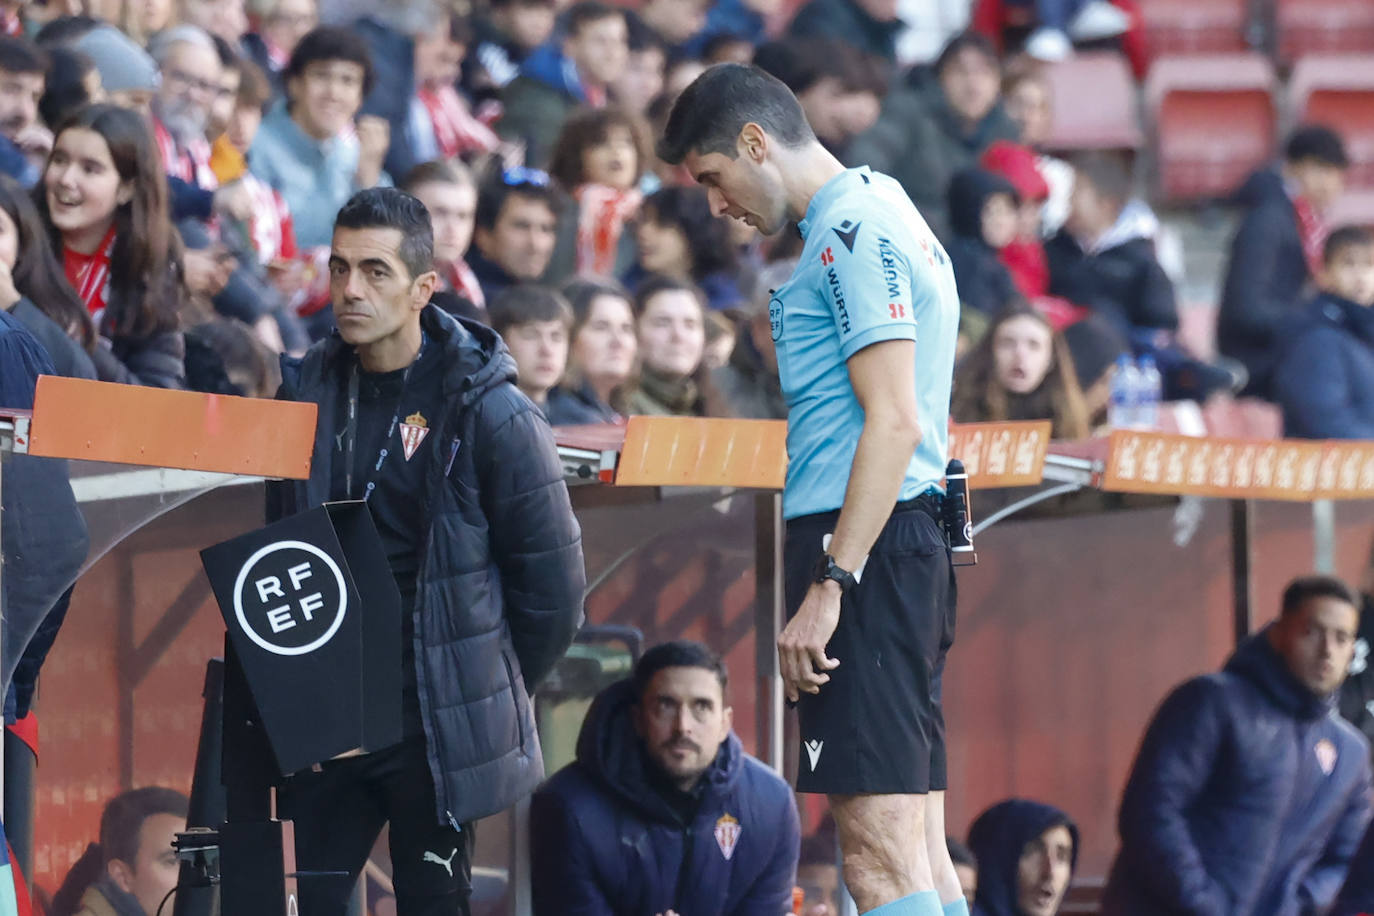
(500, 581)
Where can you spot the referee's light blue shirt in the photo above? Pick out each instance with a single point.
(870, 271)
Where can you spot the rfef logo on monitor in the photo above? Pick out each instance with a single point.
(290, 598)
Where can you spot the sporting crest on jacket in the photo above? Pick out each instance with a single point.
(413, 432)
(727, 835)
(1326, 755)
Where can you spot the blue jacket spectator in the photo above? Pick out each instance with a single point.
(1270, 262)
(1249, 794)
(1324, 376)
(1357, 897)
(615, 832)
(1001, 837)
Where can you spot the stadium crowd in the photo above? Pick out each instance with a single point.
(174, 171)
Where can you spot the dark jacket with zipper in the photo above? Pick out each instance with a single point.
(607, 841)
(500, 584)
(1324, 374)
(1249, 796)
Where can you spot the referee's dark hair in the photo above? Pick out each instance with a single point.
(1305, 588)
(680, 653)
(709, 114)
(389, 208)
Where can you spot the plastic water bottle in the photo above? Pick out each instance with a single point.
(1121, 409)
(1149, 394)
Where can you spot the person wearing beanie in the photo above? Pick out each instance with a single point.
(1026, 853)
(1024, 257)
(127, 73)
(983, 220)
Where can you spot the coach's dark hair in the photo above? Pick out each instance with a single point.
(680, 653)
(581, 15)
(709, 114)
(120, 827)
(1305, 588)
(331, 43)
(389, 208)
(1316, 143)
(1345, 237)
(528, 302)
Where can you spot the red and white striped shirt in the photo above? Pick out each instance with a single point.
(191, 164)
(89, 275)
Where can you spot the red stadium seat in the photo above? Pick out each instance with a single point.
(1214, 121)
(1094, 103)
(1195, 26)
(1338, 90)
(1323, 26)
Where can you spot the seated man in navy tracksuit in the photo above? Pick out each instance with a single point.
(663, 812)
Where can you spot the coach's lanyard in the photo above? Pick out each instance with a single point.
(351, 430)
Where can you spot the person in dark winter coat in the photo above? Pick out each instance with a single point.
(1277, 248)
(1104, 257)
(1324, 374)
(1249, 795)
(663, 810)
(1356, 702)
(468, 496)
(932, 128)
(1026, 854)
(982, 221)
(1357, 896)
(558, 78)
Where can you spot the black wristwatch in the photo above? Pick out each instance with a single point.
(826, 569)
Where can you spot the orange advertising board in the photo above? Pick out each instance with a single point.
(1001, 454)
(1281, 469)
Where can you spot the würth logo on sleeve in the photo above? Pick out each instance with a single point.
(727, 835)
(413, 432)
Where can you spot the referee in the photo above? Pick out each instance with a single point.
(865, 331)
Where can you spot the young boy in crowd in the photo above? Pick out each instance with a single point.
(534, 321)
(1324, 377)
(983, 210)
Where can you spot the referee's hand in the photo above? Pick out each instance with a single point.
(801, 645)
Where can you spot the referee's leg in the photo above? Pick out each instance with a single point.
(881, 863)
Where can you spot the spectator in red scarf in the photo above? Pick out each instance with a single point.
(599, 159)
(1277, 249)
(449, 192)
(105, 202)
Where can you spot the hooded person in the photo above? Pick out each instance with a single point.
(662, 809)
(1027, 852)
(1024, 257)
(982, 219)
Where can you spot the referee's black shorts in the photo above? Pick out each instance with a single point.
(877, 726)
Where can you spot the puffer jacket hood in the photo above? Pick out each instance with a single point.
(1257, 661)
(998, 838)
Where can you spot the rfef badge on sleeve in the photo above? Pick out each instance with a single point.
(314, 619)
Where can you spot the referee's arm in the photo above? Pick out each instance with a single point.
(871, 296)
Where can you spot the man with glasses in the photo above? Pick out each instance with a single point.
(517, 222)
(663, 812)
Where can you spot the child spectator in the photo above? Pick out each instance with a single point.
(104, 203)
(1020, 370)
(33, 289)
(599, 159)
(983, 212)
(672, 340)
(449, 193)
(1278, 247)
(517, 226)
(678, 237)
(558, 78)
(1024, 256)
(1029, 102)
(601, 357)
(534, 321)
(307, 147)
(1324, 375)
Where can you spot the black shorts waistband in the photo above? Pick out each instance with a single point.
(929, 502)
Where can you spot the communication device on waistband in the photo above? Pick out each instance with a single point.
(958, 516)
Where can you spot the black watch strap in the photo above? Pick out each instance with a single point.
(827, 569)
